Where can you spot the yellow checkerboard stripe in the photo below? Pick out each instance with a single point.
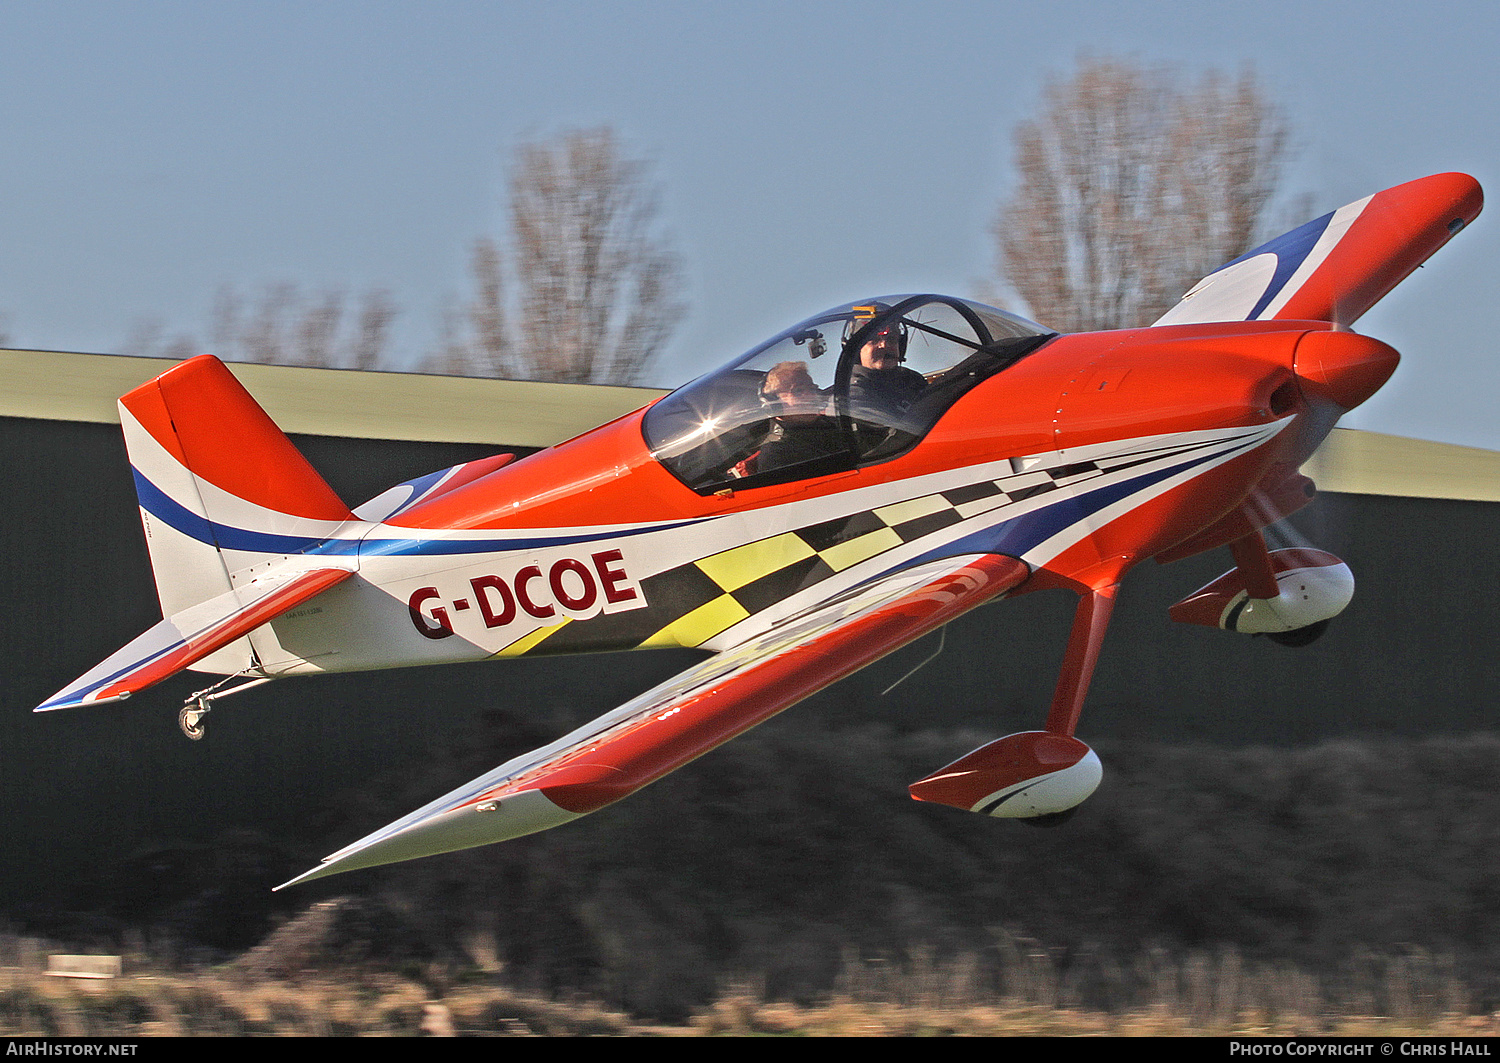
(702, 624)
(865, 547)
(733, 569)
(527, 643)
(754, 575)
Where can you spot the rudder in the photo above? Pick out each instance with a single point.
(220, 487)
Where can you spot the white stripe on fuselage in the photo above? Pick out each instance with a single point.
(391, 638)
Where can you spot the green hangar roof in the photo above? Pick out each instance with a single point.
(59, 386)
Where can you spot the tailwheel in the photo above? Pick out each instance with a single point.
(191, 719)
(1302, 636)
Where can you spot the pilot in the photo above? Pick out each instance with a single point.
(801, 428)
(881, 390)
(880, 386)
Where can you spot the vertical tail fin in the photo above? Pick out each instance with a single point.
(220, 487)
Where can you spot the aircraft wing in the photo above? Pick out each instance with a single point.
(1338, 266)
(192, 634)
(688, 715)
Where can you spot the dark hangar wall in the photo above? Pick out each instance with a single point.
(1413, 655)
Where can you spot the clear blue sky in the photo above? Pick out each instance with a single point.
(810, 153)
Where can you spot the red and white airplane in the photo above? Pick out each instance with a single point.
(848, 486)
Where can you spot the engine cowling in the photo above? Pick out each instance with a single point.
(1314, 586)
(1020, 776)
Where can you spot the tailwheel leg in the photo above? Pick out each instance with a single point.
(191, 717)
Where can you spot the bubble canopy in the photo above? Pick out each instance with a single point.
(856, 385)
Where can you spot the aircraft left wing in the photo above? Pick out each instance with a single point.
(688, 715)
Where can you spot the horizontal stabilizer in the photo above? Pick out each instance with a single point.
(192, 634)
(404, 496)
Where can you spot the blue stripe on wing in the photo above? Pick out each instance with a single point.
(1291, 250)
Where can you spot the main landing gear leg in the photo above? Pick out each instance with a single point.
(1090, 621)
(1254, 563)
(1038, 777)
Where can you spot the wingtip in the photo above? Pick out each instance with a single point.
(306, 876)
(445, 830)
(48, 706)
(333, 864)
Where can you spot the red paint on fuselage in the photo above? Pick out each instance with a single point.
(1073, 392)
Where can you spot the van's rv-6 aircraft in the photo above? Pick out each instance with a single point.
(850, 485)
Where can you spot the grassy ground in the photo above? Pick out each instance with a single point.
(915, 998)
(149, 1005)
(786, 884)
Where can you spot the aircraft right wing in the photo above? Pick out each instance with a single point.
(689, 715)
(1338, 266)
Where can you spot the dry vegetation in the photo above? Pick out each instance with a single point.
(1202, 995)
(1337, 889)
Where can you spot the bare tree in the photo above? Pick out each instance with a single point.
(476, 342)
(595, 283)
(372, 330)
(1134, 184)
(148, 339)
(286, 328)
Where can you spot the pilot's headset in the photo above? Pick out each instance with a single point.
(867, 312)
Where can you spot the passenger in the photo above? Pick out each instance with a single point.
(802, 429)
(789, 389)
